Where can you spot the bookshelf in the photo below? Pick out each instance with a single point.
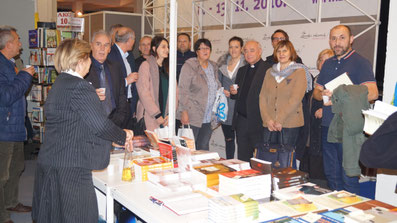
(42, 46)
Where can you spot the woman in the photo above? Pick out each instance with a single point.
(77, 140)
(280, 99)
(315, 161)
(198, 84)
(152, 86)
(228, 67)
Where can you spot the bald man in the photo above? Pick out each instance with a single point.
(360, 72)
(144, 48)
(120, 53)
(247, 121)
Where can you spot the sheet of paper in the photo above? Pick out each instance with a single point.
(341, 79)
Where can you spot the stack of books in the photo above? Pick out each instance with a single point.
(210, 173)
(232, 208)
(143, 166)
(286, 177)
(251, 183)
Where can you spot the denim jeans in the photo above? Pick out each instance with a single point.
(230, 146)
(333, 169)
(202, 136)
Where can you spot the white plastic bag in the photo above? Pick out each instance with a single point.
(162, 133)
(187, 134)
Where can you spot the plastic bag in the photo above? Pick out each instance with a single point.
(220, 107)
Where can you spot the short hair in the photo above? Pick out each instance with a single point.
(281, 31)
(322, 53)
(238, 39)
(289, 46)
(145, 37)
(349, 31)
(100, 32)
(156, 41)
(69, 52)
(200, 41)
(6, 35)
(254, 41)
(114, 26)
(123, 35)
(183, 34)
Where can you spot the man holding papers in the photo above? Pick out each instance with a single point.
(359, 70)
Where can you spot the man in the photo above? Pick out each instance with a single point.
(144, 48)
(277, 36)
(360, 72)
(183, 52)
(247, 119)
(13, 86)
(104, 74)
(124, 41)
(113, 29)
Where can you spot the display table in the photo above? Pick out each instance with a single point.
(106, 179)
(135, 197)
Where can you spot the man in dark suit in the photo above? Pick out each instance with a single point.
(124, 41)
(247, 119)
(105, 76)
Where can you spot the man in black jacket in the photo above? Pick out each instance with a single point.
(247, 119)
(106, 79)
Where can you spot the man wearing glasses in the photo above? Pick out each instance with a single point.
(278, 36)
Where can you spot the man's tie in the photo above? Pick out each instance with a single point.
(103, 83)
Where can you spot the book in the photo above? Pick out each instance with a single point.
(337, 81)
(307, 189)
(154, 140)
(50, 54)
(338, 199)
(50, 38)
(35, 57)
(210, 173)
(198, 155)
(232, 208)
(37, 114)
(182, 203)
(374, 118)
(261, 165)
(143, 165)
(66, 35)
(35, 93)
(33, 39)
(169, 152)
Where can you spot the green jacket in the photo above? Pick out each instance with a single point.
(347, 125)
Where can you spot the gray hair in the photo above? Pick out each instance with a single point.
(252, 40)
(100, 32)
(5, 35)
(123, 37)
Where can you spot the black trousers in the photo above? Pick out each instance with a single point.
(247, 137)
(229, 134)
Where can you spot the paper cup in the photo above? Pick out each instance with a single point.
(325, 99)
(103, 90)
(235, 86)
(27, 66)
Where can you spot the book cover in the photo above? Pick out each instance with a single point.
(66, 35)
(167, 151)
(37, 114)
(261, 165)
(50, 56)
(211, 172)
(35, 57)
(33, 39)
(289, 173)
(50, 38)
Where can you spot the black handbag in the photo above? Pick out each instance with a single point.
(280, 154)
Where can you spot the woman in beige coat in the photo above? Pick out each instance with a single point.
(198, 84)
(280, 99)
(152, 86)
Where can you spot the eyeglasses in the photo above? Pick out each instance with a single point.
(278, 39)
(204, 48)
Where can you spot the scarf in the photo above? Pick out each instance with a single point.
(289, 70)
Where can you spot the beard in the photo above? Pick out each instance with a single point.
(340, 50)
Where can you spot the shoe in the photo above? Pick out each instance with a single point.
(9, 221)
(20, 208)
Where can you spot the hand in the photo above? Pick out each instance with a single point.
(30, 70)
(328, 93)
(165, 121)
(185, 118)
(101, 93)
(227, 93)
(319, 113)
(132, 77)
(278, 126)
(232, 90)
(270, 125)
(128, 140)
(160, 120)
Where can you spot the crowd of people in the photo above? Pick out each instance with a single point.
(102, 93)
